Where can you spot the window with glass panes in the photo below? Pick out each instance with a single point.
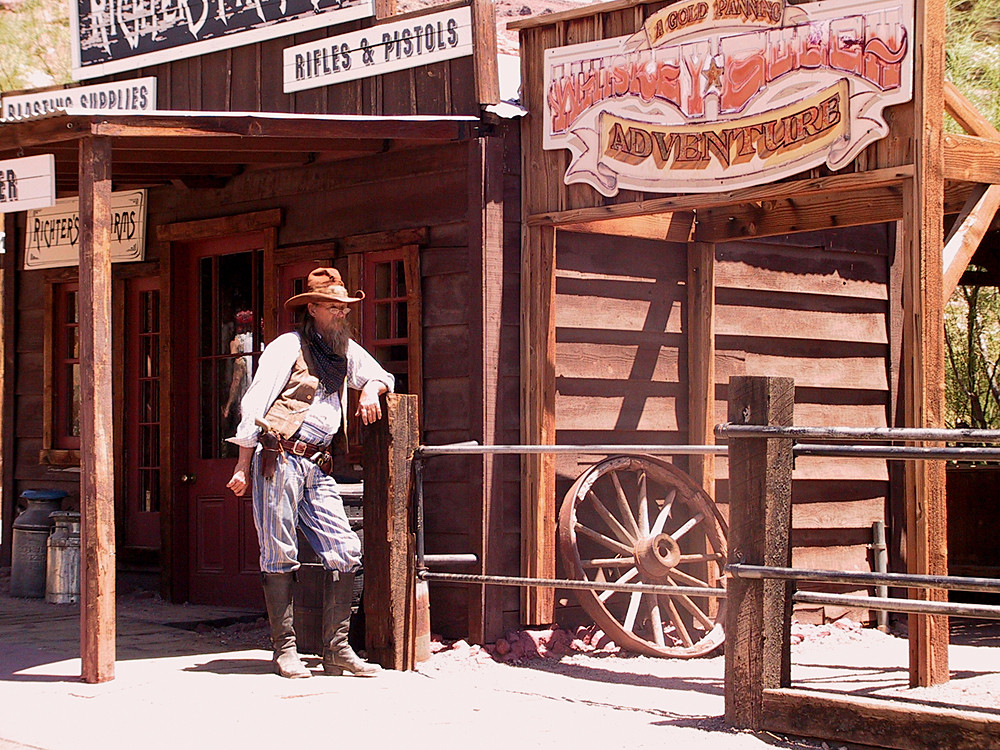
(65, 424)
(385, 314)
(147, 398)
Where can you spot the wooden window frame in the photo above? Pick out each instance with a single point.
(58, 448)
(410, 257)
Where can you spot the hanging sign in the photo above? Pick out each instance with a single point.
(712, 95)
(110, 36)
(28, 182)
(137, 95)
(379, 49)
(52, 235)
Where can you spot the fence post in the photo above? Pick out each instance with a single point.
(758, 612)
(387, 455)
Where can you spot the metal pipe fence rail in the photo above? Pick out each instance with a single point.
(472, 448)
(915, 606)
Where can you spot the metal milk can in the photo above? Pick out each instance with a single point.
(31, 532)
(62, 584)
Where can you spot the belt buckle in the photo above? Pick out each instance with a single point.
(299, 448)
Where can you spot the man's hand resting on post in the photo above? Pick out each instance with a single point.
(369, 408)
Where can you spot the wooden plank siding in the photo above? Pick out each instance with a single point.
(814, 307)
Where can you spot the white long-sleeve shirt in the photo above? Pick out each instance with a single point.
(326, 411)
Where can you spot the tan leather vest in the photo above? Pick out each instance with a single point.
(288, 411)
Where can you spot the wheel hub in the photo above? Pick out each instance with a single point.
(656, 556)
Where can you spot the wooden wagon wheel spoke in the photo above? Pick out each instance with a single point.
(605, 595)
(612, 522)
(689, 579)
(608, 562)
(631, 544)
(661, 519)
(679, 626)
(643, 505)
(695, 610)
(688, 525)
(603, 540)
(635, 599)
(626, 509)
(656, 621)
(707, 557)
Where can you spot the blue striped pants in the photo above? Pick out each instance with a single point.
(300, 494)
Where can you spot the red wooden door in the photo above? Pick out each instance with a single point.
(220, 306)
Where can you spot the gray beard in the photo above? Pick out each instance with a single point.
(336, 335)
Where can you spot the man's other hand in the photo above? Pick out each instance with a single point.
(238, 484)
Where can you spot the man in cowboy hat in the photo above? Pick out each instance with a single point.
(290, 415)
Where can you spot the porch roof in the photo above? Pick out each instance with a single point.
(207, 148)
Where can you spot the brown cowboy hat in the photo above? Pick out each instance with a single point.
(323, 285)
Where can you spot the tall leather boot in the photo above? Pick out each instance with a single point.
(278, 598)
(338, 655)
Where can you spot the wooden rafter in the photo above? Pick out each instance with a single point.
(977, 154)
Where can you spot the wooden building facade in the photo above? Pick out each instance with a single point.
(642, 297)
(402, 180)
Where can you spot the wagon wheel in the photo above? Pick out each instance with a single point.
(632, 519)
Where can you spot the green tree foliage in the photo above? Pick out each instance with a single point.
(34, 43)
(972, 316)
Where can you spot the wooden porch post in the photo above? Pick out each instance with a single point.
(97, 502)
(538, 419)
(923, 342)
(758, 612)
(387, 454)
(701, 360)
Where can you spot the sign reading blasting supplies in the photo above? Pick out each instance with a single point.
(28, 182)
(138, 95)
(712, 95)
(379, 49)
(52, 235)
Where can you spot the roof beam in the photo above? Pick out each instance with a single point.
(837, 183)
(672, 227)
(968, 231)
(969, 158)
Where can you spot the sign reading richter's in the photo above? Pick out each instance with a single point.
(114, 35)
(52, 235)
(716, 94)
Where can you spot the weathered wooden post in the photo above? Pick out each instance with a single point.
(758, 612)
(389, 599)
(97, 479)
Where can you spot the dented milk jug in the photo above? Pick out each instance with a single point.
(62, 584)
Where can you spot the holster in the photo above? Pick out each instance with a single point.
(269, 452)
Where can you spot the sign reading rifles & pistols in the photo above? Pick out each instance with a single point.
(379, 49)
(114, 35)
(713, 95)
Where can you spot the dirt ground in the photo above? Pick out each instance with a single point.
(534, 688)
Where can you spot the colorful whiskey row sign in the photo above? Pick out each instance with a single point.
(716, 94)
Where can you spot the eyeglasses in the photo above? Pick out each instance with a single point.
(336, 309)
